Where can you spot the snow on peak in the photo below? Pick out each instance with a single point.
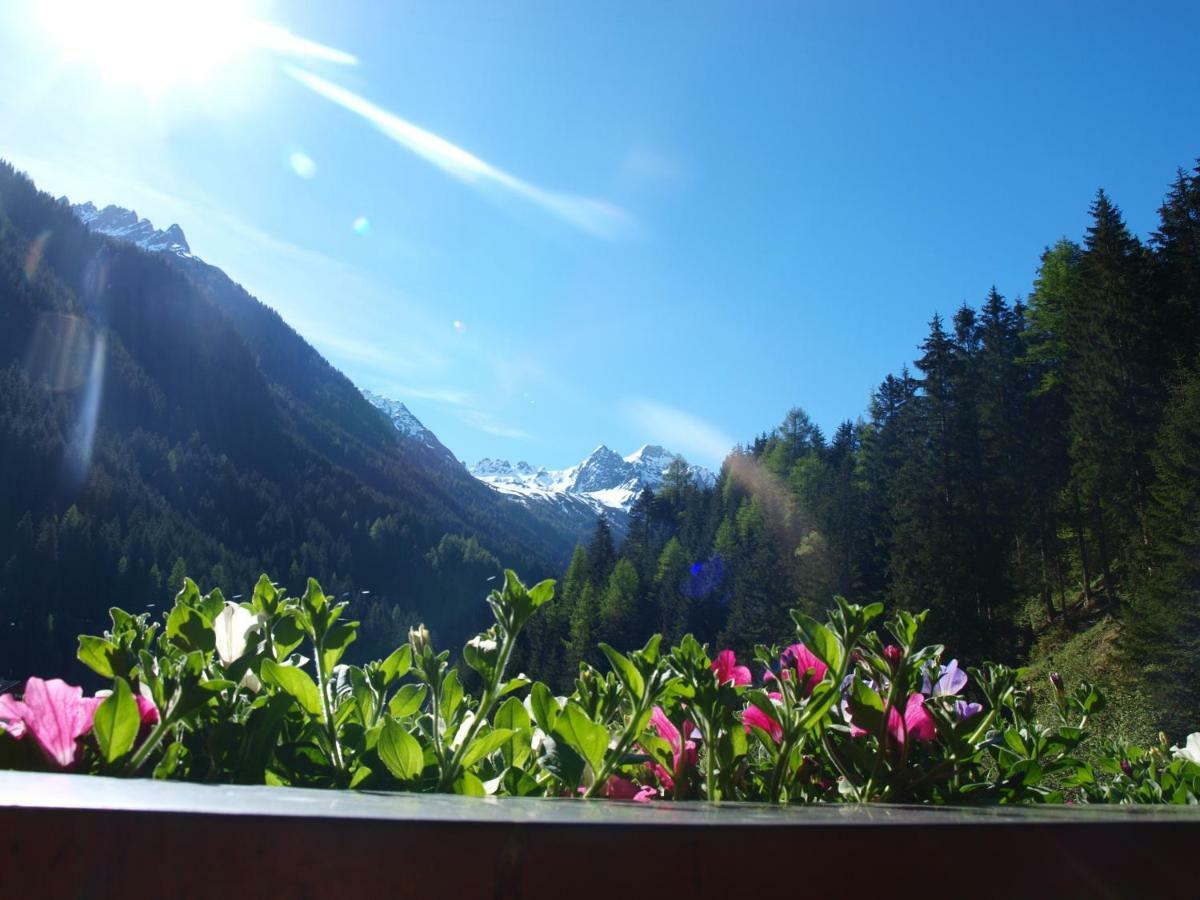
(400, 416)
(604, 479)
(124, 224)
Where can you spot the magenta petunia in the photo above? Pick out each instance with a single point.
(915, 723)
(618, 788)
(55, 713)
(727, 670)
(810, 669)
(683, 753)
(752, 716)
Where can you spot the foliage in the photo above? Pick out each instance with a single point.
(258, 693)
(1043, 451)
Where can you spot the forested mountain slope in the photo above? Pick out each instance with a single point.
(155, 418)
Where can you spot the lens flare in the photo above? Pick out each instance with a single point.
(362, 226)
(302, 164)
(59, 352)
(33, 257)
(460, 327)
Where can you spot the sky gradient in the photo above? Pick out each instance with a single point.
(544, 226)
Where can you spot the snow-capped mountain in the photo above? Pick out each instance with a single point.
(409, 425)
(118, 222)
(604, 481)
(567, 500)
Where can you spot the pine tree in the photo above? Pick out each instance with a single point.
(1176, 246)
(601, 553)
(1165, 626)
(619, 606)
(670, 602)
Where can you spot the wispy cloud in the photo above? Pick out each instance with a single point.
(643, 164)
(483, 421)
(681, 431)
(279, 40)
(444, 396)
(598, 218)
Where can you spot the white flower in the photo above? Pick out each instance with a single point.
(482, 644)
(1190, 750)
(232, 628)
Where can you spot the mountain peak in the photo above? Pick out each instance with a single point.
(125, 225)
(604, 479)
(408, 425)
(648, 452)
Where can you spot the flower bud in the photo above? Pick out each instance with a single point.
(419, 638)
(893, 654)
(1126, 768)
(1057, 681)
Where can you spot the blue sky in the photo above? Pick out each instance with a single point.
(618, 223)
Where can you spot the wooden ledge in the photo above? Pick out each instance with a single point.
(71, 835)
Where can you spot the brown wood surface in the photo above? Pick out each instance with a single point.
(106, 853)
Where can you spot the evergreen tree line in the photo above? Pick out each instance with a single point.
(1043, 452)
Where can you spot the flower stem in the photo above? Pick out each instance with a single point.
(486, 702)
(327, 710)
(627, 736)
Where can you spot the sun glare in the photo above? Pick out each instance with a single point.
(152, 44)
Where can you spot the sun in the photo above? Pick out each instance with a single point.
(152, 45)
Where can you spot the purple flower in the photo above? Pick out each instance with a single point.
(966, 709)
(951, 680)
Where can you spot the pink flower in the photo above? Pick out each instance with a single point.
(727, 669)
(147, 710)
(683, 753)
(916, 723)
(618, 788)
(55, 712)
(810, 669)
(12, 715)
(752, 716)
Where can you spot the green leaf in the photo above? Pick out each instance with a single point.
(397, 664)
(485, 744)
(337, 639)
(819, 639)
(288, 634)
(210, 605)
(265, 597)
(625, 670)
(580, 732)
(188, 630)
(513, 716)
(407, 700)
(314, 599)
(452, 695)
(400, 751)
(542, 592)
(544, 706)
(116, 722)
(97, 654)
(169, 763)
(294, 681)
(513, 684)
(468, 785)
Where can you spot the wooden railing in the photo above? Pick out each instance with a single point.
(79, 836)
